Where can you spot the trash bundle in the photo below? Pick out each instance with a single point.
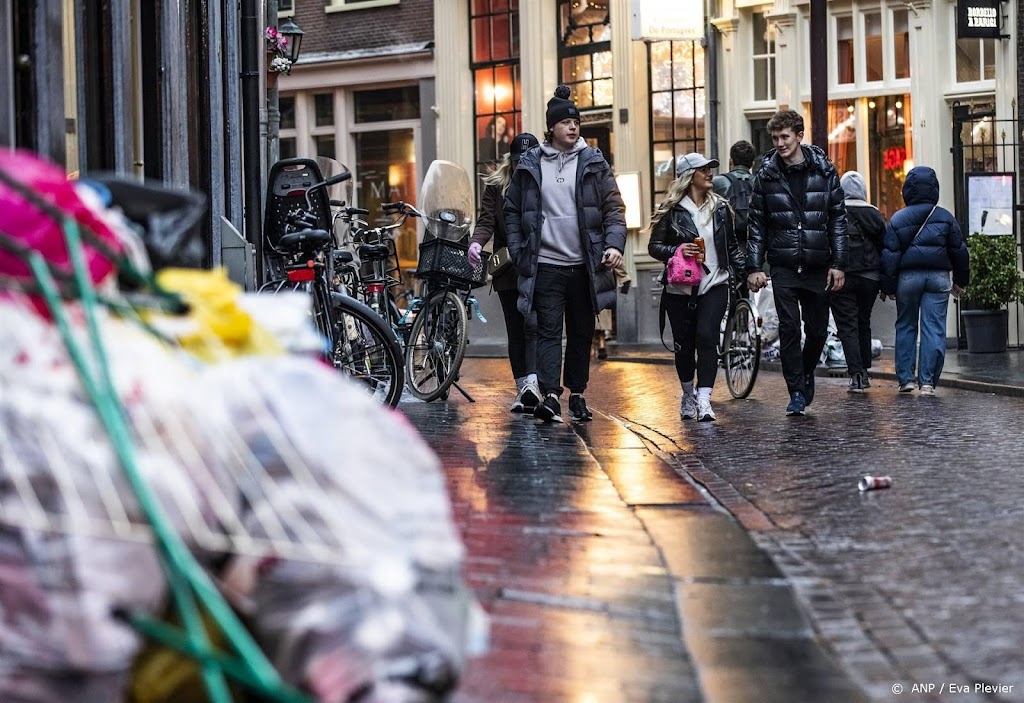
(171, 458)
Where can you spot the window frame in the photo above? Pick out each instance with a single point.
(514, 116)
(349, 5)
(590, 49)
(981, 83)
(678, 146)
(770, 59)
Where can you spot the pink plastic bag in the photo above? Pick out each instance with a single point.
(39, 231)
(684, 270)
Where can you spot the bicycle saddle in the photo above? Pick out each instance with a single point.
(343, 256)
(304, 240)
(374, 251)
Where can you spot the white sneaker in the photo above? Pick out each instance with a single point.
(704, 411)
(907, 387)
(927, 390)
(688, 407)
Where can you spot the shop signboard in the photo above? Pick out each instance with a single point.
(978, 19)
(667, 20)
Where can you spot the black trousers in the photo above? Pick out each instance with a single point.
(562, 297)
(696, 322)
(800, 294)
(522, 341)
(851, 308)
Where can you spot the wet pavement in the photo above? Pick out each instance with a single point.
(638, 558)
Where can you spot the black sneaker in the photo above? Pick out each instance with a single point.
(578, 409)
(549, 409)
(865, 380)
(797, 404)
(857, 383)
(809, 388)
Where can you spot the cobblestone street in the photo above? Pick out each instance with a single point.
(574, 530)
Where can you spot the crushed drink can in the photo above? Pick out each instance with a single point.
(870, 483)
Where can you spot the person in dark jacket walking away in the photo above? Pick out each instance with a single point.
(922, 244)
(566, 228)
(798, 224)
(695, 313)
(522, 342)
(735, 186)
(852, 305)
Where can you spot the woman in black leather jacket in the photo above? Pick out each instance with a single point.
(690, 210)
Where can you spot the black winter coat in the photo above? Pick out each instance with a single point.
(490, 223)
(602, 223)
(792, 235)
(939, 246)
(865, 227)
(677, 227)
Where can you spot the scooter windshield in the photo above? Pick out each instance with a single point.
(329, 168)
(446, 201)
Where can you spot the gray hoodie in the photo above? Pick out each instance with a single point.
(560, 242)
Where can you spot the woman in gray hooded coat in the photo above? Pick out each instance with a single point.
(852, 304)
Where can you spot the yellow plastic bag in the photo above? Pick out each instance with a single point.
(216, 327)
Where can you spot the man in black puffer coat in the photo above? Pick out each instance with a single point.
(798, 221)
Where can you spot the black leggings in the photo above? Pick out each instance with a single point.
(696, 329)
(522, 342)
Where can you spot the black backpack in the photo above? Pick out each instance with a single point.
(738, 194)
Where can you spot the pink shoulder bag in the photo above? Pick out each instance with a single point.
(684, 270)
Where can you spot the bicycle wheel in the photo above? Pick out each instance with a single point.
(742, 351)
(437, 344)
(366, 349)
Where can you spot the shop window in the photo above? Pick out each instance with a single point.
(844, 50)
(677, 107)
(842, 135)
(585, 52)
(387, 104)
(386, 172)
(323, 108)
(763, 57)
(975, 60)
(901, 43)
(494, 60)
(873, 70)
(891, 150)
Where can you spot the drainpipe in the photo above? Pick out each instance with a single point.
(711, 59)
(252, 39)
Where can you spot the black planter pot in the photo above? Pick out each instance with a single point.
(986, 330)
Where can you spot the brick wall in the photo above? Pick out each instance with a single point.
(409, 21)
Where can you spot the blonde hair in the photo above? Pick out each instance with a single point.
(679, 188)
(502, 175)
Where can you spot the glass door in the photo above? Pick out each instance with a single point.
(386, 172)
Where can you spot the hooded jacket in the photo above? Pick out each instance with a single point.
(602, 223)
(790, 234)
(919, 238)
(865, 227)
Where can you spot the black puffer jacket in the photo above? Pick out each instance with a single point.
(602, 223)
(866, 228)
(677, 227)
(792, 236)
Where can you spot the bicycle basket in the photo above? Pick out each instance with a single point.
(442, 258)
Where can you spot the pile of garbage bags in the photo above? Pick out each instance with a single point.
(322, 516)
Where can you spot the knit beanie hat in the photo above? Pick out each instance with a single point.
(560, 107)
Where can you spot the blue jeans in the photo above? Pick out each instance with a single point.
(924, 295)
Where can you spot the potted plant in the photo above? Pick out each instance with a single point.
(278, 61)
(995, 281)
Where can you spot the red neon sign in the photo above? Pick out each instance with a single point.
(893, 158)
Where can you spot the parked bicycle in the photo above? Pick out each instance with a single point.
(357, 341)
(434, 326)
